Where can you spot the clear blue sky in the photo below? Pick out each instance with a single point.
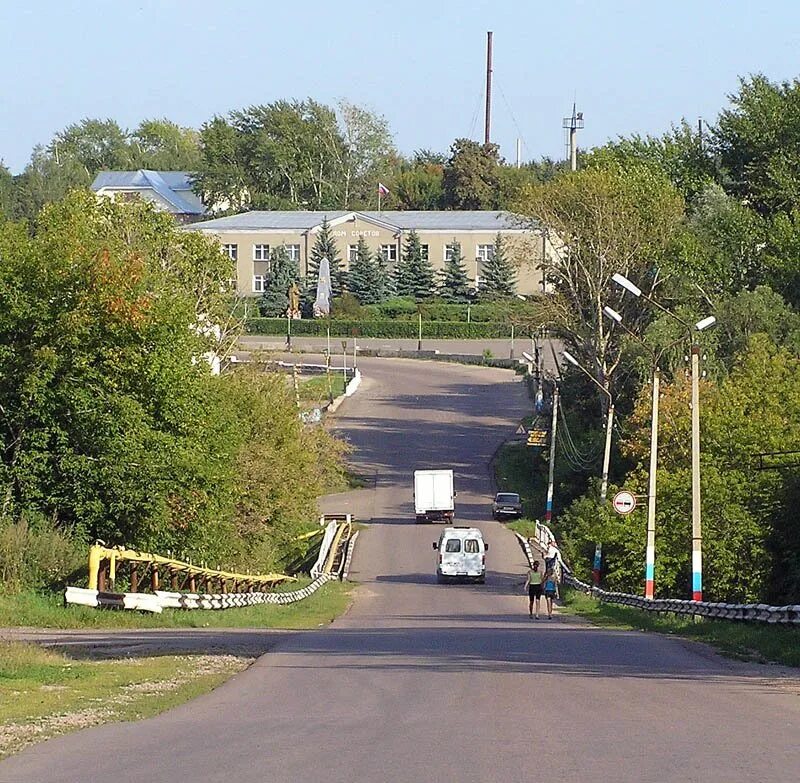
(634, 66)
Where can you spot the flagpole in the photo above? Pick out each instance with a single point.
(379, 199)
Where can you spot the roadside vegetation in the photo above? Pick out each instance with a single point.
(30, 609)
(113, 426)
(703, 225)
(754, 642)
(44, 693)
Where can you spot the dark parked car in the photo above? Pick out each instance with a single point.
(507, 505)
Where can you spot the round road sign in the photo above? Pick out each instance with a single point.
(624, 502)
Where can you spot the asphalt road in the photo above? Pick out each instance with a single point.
(425, 682)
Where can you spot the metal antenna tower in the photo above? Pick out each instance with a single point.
(573, 124)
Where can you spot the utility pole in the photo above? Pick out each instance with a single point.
(650, 550)
(705, 323)
(697, 537)
(488, 123)
(548, 514)
(519, 153)
(573, 124)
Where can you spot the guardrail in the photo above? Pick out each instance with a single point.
(236, 590)
(763, 613)
(146, 569)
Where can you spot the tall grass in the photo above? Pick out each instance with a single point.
(35, 553)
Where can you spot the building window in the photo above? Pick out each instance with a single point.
(260, 252)
(293, 251)
(232, 251)
(352, 254)
(258, 283)
(449, 251)
(424, 251)
(484, 252)
(389, 253)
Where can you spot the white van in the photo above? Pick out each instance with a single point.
(462, 554)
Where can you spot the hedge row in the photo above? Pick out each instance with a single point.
(406, 310)
(387, 329)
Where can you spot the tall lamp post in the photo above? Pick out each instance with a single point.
(598, 552)
(650, 549)
(697, 536)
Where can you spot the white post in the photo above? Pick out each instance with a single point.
(548, 514)
(607, 452)
(650, 552)
(697, 537)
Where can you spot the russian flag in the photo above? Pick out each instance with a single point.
(382, 189)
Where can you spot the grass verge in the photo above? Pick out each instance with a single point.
(44, 693)
(743, 641)
(316, 389)
(37, 610)
(515, 469)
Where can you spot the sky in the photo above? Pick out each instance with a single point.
(632, 67)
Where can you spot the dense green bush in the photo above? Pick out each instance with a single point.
(37, 554)
(403, 309)
(385, 329)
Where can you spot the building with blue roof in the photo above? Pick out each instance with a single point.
(169, 191)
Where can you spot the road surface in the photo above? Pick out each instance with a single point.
(425, 682)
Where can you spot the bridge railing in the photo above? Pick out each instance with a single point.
(763, 613)
(196, 587)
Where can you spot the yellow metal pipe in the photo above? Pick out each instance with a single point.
(95, 556)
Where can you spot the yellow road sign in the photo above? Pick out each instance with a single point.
(537, 437)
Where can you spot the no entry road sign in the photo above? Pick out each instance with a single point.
(624, 502)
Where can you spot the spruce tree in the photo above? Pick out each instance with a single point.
(365, 278)
(499, 276)
(415, 276)
(324, 247)
(283, 272)
(453, 279)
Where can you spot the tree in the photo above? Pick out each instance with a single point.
(97, 145)
(283, 272)
(471, 176)
(729, 242)
(758, 142)
(103, 390)
(369, 155)
(454, 285)
(602, 221)
(499, 276)
(419, 186)
(365, 278)
(7, 193)
(47, 179)
(682, 154)
(162, 145)
(415, 276)
(222, 177)
(293, 153)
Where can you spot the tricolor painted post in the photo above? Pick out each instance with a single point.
(548, 514)
(697, 537)
(598, 563)
(650, 551)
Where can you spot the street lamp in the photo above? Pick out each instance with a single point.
(650, 550)
(705, 323)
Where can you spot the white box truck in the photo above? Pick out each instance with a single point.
(434, 498)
